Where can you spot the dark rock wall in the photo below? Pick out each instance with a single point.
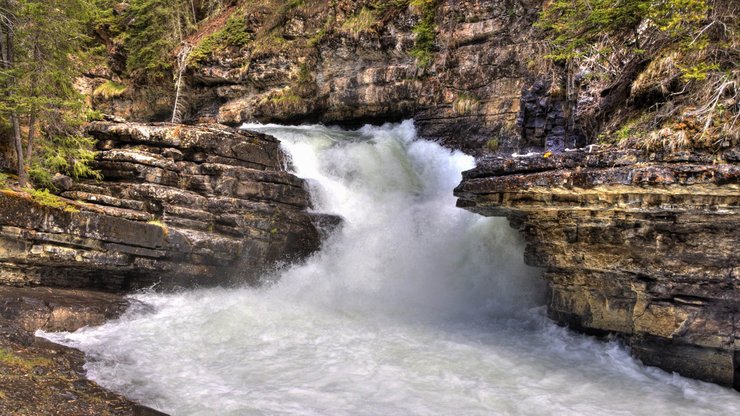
(641, 245)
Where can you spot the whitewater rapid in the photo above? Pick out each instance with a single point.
(412, 307)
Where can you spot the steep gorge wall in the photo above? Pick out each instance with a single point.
(468, 94)
(645, 246)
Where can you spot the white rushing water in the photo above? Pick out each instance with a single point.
(413, 307)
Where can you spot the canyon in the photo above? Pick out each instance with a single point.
(634, 241)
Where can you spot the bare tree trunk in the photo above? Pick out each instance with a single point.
(31, 133)
(195, 16)
(6, 47)
(34, 107)
(182, 61)
(3, 43)
(22, 181)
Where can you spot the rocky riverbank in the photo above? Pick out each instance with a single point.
(641, 245)
(38, 377)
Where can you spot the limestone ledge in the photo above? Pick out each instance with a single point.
(636, 244)
(178, 205)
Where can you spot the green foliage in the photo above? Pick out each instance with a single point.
(465, 104)
(363, 21)
(9, 358)
(304, 74)
(46, 198)
(698, 72)
(37, 86)
(284, 98)
(67, 152)
(577, 25)
(160, 223)
(148, 32)
(425, 32)
(42, 74)
(582, 27)
(93, 115)
(689, 47)
(492, 144)
(3, 180)
(153, 31)
(316, 38)
(233, 34)
(271, 42)
(633, 129)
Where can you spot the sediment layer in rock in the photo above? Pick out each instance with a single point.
(641, 245)
(178, 206)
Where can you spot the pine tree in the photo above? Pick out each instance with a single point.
(41, 47)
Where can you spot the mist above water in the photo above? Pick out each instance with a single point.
(413, 307)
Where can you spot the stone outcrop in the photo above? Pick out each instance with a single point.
(178, 206)
(641, 245)
(55, 309)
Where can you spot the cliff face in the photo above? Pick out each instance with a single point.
(640, 245)
(354, 62)
(178, 205)
(361, 72)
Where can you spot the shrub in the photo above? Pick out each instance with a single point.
(425, 31)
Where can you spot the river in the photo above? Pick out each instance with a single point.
(412, 307)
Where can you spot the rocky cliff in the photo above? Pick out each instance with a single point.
(178, 205)
(473, 85)
(342, 62)
(479, 75)
(641, 245)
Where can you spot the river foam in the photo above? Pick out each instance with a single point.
(413, 307)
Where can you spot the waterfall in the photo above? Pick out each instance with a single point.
(412, 307)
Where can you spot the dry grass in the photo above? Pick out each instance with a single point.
(466, 104)
(110, 89)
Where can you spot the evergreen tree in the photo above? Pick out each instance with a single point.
(40, 45)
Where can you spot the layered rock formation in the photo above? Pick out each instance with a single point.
(645, 246)
(336, 64)
(354, 62)
(177, 206)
